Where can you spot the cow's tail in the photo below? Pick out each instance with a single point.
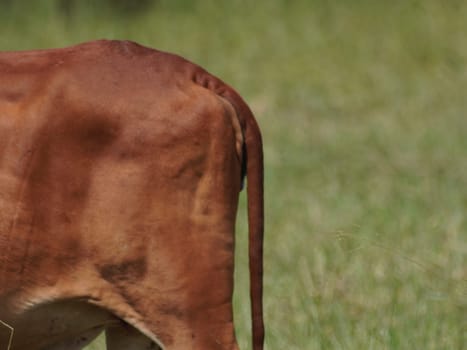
(253, 148)
(254, 173)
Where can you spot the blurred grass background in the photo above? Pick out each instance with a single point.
(363, 110)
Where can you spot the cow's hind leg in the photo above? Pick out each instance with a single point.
(125, 337)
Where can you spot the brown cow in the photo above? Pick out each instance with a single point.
(120, 171)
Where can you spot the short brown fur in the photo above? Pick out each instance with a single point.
(120, 171)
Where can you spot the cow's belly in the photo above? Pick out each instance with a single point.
(58, 325)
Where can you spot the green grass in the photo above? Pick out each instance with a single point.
(364, 114)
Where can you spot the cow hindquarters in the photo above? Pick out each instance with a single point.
(174, 207)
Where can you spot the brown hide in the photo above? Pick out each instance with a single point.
(120, 171)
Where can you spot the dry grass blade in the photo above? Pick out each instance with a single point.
(12, 331)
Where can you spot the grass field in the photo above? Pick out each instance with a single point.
(363, 107)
